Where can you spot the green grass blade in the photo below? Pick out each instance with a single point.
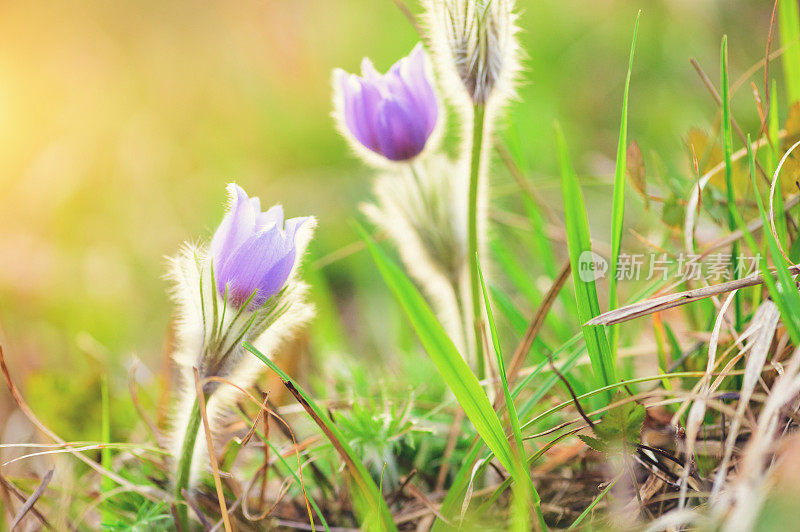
(727, 143)
(378, 516)
(455, 495)
(618, 205)
(773, 157)
(789, 24)
(448, 361)
(579, 243)
(525, 492)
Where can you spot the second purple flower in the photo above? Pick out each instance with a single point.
(392, 114)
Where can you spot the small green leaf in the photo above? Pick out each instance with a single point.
(673, 212)
(598, 445)
(622, 424)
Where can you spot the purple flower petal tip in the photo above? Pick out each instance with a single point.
(253, 252)
(392, 114)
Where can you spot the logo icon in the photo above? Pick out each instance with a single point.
(591, 266)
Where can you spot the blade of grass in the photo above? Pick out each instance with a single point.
(580, 245)
(452, 501)
(727, 143)
(106, 484)
(618, 204)
(773, 157)
(378, 517)
(525, 492)
(789, 23)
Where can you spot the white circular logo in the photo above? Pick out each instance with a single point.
(591, 266)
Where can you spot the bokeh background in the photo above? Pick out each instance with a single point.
(121, 123)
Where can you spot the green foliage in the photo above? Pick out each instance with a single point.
(77, 414)
(148, 517)
(448, 360)
(379, 432)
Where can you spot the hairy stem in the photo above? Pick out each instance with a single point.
(185, 464)
(472, 233)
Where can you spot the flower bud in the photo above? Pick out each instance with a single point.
(475, 40)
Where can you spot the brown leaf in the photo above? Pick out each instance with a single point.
(635, 167)
(793, 124)
(708, 150)
(791, 168)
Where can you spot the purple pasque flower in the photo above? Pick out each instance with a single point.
(252, 251)
(392, 114)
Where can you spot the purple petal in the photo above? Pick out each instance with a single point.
(292, 226)
(400, 135)
(237, 225)
(260, 263)
(361, 99)
(274, 216)
(410, 81)
(368, 70)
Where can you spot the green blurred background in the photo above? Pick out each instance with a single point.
(121, 123)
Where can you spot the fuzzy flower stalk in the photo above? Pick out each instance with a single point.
(424, 212)
(477, 53)
(241, 287)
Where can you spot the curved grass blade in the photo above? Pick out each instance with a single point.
(376, 513)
